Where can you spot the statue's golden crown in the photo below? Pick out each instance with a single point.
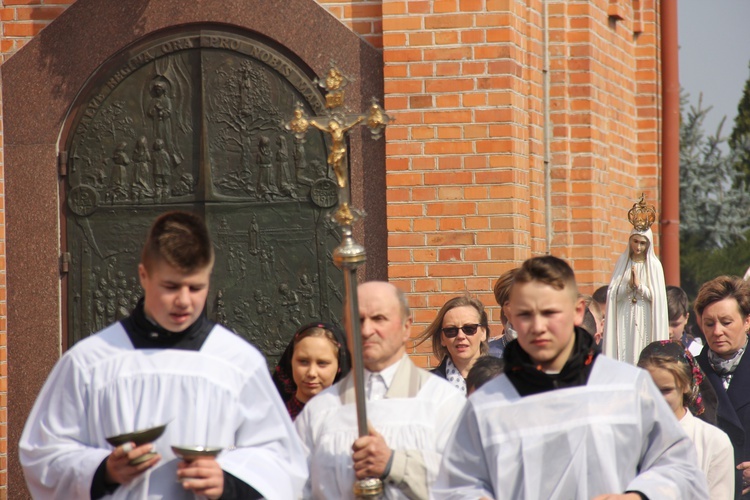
(642, 216)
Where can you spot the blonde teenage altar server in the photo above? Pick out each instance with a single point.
(165, 363)
(637, 297)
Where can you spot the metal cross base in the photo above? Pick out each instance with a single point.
(368, 489)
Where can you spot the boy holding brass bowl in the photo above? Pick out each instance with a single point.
(164, 364)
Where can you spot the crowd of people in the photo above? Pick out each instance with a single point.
(552, 407)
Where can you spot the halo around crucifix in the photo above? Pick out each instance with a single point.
(349, 255)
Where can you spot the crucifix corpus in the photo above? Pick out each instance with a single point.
(349, 255)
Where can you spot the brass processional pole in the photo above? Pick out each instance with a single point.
(349, 255)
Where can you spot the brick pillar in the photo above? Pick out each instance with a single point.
(464, 165)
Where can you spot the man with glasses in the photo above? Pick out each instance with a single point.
(411, 412)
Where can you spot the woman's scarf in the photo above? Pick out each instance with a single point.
(725, 368)
(676, 351)
(454, 376)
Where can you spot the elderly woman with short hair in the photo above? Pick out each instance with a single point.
(723, 311)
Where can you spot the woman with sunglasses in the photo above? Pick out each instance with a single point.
(316, 358)
(459, 336)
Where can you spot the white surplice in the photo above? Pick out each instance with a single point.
(418, 426)
(715, 455)
(221, 395)
(614, 434)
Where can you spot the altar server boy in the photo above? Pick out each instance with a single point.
(165, 363)
(563, 422)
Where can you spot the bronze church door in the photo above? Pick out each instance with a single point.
(194, 120)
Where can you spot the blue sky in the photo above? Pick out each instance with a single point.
(714, 40)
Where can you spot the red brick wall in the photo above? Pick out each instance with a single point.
(364, 17)
(465, 158)
(597, 169)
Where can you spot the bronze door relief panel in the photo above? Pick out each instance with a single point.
(195, 121)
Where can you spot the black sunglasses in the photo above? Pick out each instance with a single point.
(452, 331)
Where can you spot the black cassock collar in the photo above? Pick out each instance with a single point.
(145, 334)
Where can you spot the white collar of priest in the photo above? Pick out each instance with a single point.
(387, 373)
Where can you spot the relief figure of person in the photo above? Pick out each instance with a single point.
(286, 179)
(253, 233)
(160, 112)
(162, 170)
(307, 291)
(300, 162)
(266, 175)
(143, 177)
(118, 189)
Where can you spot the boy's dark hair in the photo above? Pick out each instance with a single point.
(677, 303)
(724, 287)
(549, 270)
(600, 295)
(485, 369)
(589, 322)
(502, 291)
(593, 306)
(179, 239)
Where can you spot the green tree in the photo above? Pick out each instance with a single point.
(739, 140)
(714, 204)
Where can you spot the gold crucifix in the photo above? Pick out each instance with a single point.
(349, 255)
(336, 124)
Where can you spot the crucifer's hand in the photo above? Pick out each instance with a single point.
(371, 455)
(119, 469)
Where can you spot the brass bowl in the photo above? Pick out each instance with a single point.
(138, 437)
(192, 452)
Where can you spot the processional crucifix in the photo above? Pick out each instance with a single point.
(349, 255)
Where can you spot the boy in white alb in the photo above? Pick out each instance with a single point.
(563, 422)
(166, 362)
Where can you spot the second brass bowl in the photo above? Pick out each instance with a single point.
(189, 453)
